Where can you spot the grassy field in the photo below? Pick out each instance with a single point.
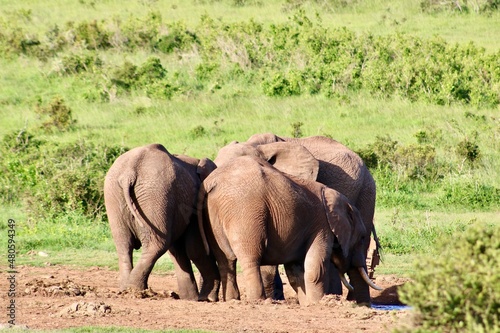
(412, 214)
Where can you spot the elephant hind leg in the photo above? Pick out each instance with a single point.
(183, 270)
(227, 269)
(138, 278)
(125, 242)
(253, 279)
(125, 264)
(295, 273)
(273, 285)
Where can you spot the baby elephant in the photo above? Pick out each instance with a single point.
(251, 212)
(150, 197)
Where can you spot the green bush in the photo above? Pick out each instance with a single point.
(78, 63)
(70, 178)
(52, 179)
(458, 290)
(18, 174)
(468, 150)
(150, 77)
(92, 35)
(58, 113)
(411, 161)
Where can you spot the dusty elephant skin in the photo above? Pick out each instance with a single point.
(251, 212)
(150, 197)
(343, 170)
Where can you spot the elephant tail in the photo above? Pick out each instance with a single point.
(200, 210)
(129, 195)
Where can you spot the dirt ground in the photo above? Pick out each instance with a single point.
(60, 297)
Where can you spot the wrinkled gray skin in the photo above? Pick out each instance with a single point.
(150, 197)
(339, 168)
(253, 213)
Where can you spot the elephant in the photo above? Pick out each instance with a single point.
(150, 198)
(250, 212)
(339, 168)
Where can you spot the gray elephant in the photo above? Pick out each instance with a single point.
(253, 213)
(150, 197)
(339, 168)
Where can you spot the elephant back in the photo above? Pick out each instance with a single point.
(339, 167)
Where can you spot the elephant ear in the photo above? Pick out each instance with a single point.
(341, 217)
(205, 167)
(263, 138)
(290, 158)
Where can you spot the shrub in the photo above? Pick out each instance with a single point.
(93, 35)
(78, 63)
(18, 150)
(59, 115)
(140, 32)
(20, 141)
(280, 85)
(150, 77)
(70, 178)
(468, 150)
(125, 76)
(52, 179)
(411, 161)
(197, 132)
(177, 38)
(459, 289)
(297, 129)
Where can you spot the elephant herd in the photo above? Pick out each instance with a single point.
(305, 203)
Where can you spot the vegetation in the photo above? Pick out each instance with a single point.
(412, 86)
(459, 289)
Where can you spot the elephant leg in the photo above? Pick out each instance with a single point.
(124, 243)
(316, 267)
(186, 281)
(361, 293)
(124, 265)
(227, 269)
(334, 286)
(253, 279)
(273, 286)
(295, 273)
(206, 264)
(138, 278)
(209, 279)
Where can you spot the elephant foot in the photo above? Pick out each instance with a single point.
(134, 287)
(278, 295)
(211, 297)
(361, 301)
